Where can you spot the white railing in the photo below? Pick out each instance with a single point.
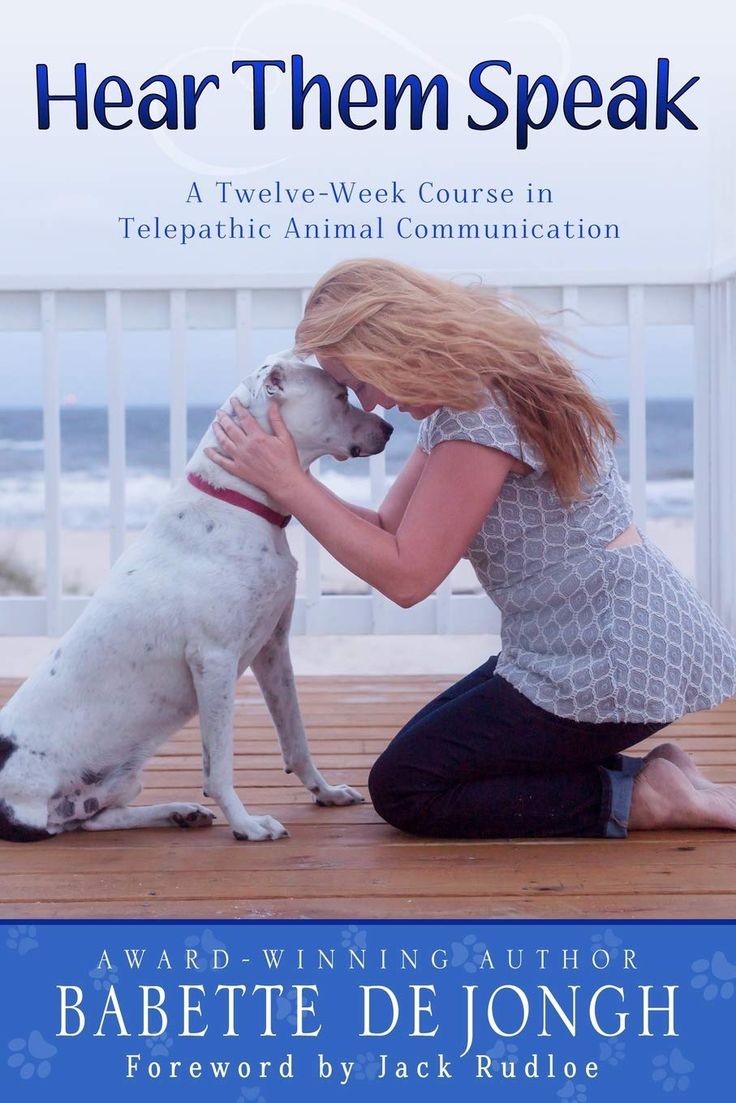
(715, 446)
(704, 300)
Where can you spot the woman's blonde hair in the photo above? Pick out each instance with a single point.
(426, 340)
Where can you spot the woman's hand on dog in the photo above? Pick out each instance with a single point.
(270, 462)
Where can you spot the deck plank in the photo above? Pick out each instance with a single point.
(347, 863)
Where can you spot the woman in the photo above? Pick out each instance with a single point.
(604, 643)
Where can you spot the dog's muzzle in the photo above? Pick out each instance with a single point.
(376, 443)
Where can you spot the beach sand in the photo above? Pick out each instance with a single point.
(85, 557)
(85, 562)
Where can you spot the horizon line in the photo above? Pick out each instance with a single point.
(193, 405)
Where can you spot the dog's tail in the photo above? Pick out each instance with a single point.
(12, 829)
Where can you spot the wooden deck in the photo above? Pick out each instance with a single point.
(347, 863)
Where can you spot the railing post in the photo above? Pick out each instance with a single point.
(704, 442)
(726, 535)
(52, 461)
(637, 405)
(312, 555)
(115, 422)
(721, 410)
(377, 468)
(243, 301)
(178, 410)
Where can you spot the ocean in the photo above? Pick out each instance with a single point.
(85, 469)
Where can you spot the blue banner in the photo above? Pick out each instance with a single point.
(269, 1011)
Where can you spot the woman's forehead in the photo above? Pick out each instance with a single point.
(337, 369)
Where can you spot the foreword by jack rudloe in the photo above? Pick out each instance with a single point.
(496, 96)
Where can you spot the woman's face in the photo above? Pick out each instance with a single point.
(368, 395)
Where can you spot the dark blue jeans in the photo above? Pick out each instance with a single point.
(482, 761)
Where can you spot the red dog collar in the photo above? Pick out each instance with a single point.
(242, 501)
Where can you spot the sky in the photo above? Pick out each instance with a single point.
(64, 190)
(211, 373)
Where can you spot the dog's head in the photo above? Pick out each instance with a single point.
(315, 409)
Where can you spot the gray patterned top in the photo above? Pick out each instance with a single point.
(587, 633)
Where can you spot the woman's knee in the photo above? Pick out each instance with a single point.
(396, 792)
(382, 784)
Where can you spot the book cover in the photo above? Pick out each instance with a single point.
(220, 877)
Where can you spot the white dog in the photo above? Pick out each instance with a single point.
(206, 591)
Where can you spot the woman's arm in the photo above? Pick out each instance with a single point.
(394, 505)
(389, 513)
(457, 487)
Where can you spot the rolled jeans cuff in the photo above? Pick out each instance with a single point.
(618, 786)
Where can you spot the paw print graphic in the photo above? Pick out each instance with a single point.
(354, 937)
(22, 939)
(612, 1053)
(504, 1051)
(31, 1056)
(285, 1007)
(576, 1093)
(204, 943)
(103, 977)
(250, 1095)
(606, 940)
(160, 1047)
(468, 954)
(672, 1071)
(367, 1066)
(715, 976)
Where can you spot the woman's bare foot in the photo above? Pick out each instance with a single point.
(683, 761)
(665, 798)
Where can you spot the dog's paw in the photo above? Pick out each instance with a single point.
(257, 829)
(192, 815)
(337, 794)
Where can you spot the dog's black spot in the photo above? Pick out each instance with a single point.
(65, 808)
(52, 671)
(14, 832)
(7, 746)
(38, 754)
(210, 526)
(180, 516)
(148, 648)
(314, 789)
(205, 762)
(92, 777)
(131, 571)
(57, 653)
(91, 805)
(264, 549)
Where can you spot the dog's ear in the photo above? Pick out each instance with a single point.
(275, 382)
